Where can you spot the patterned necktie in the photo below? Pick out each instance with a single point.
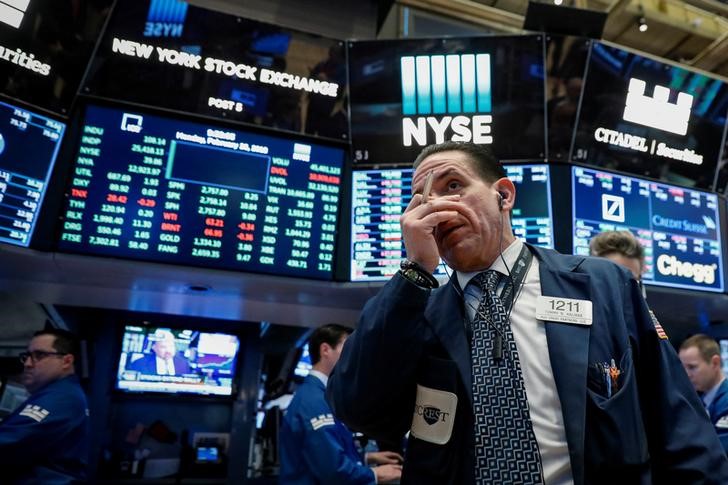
(506, 450)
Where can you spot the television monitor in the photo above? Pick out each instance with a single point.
(170, 54)
(45, 48)
(155, 188)
(723, 343)
(177, 361)
(650, 118)
(29, 144)
(12, 396)
(679, 228)
(379, 197)
(406, 94)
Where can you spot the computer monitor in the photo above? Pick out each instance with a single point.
(380, 196)
(177, 361)
(155, 188)
(29, 144)
(679, 228)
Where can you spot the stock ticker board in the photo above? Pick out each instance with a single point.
(29, 145)
(379, 197)
(158, 189)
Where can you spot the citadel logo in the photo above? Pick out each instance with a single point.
(456, 86)
(699, 273)
(656, 111)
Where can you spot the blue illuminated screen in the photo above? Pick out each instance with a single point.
(154, 188)
(379, 197)
(678, 227)
(29, 145)
(158, 359)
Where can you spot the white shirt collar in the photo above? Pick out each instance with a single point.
(320, 375)
(510, 254)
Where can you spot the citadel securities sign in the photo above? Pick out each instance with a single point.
(222, 66)
(455, 87)
(656, 112)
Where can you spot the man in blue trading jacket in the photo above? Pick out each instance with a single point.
(45, 441)
(314, 447)
(164, 360)
(700, 355)
(547, 369)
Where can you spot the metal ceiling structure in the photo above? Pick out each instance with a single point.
(693, 33)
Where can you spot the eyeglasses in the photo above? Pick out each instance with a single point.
(37, 355)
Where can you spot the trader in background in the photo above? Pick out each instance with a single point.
(622, 248)
(164, 359)
(45, 441)
(700, 355)
(528, 366)
(316, 448)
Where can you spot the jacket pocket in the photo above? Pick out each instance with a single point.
(615, 442)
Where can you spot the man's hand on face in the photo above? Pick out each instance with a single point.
(419, 222)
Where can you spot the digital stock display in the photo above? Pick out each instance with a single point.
(379, 197)
(679, 228)
(407, 94)
(29, 145)
(159, 189)
(649, 118)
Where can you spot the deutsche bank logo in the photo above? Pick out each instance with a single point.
(657, 111)
(13, 11)
(446, 85)
(612, 208)
(166, 18)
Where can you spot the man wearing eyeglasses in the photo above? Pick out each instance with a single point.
(46, 439)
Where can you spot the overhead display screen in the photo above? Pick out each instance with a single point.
(645, 117)
(679, 228)
(379, 197)
(407, 94)
(29, 144)
(169, 54)
(156, 359)
(159, 189)
(45, 47)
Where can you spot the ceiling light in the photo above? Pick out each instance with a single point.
(642, 24)
(558, 2)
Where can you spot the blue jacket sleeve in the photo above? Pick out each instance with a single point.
(682, 441)
(363, 390)
(327, 458)
(37, 428)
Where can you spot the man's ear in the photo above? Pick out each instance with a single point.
(68, 360)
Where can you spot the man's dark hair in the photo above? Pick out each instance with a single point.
(617, 242)
(328, 334)
(481, 157)
(64, 342)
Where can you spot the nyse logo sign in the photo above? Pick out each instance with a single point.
(442, 96)
(612, 208)
(13, 11)
(166, 18)
(131, 123)
(657, 111)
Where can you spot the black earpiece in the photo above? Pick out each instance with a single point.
(500, 200)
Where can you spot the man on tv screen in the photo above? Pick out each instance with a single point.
(164, 359)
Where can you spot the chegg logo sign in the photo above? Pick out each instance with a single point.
(699, 273)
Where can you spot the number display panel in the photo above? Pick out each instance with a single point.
(155, 188)
(379, 197)
(679, 228)
(29, 145)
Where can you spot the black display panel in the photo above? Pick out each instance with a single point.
(177, 361)
(645, 117)
(45, 47)
(379, 197)
(160, 189)
(679, 228)
(29, 145)
(406, 94)
(169, 54)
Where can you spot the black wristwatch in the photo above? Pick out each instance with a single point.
(417, 274)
